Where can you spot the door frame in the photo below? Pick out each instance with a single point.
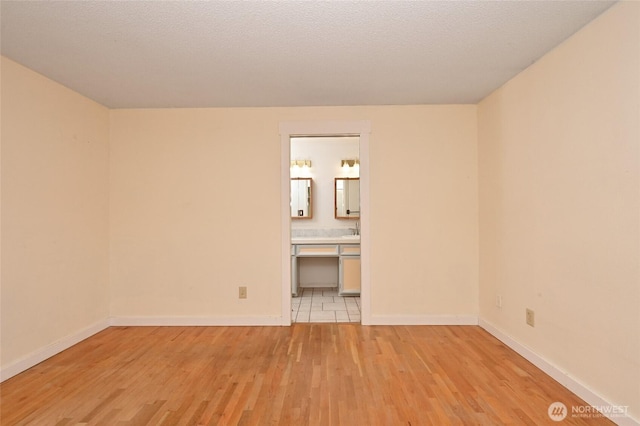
(361, 128)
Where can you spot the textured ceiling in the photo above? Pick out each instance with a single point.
(284, 53)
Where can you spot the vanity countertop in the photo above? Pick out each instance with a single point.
(347, 239)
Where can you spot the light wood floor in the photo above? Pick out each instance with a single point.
(324, 374)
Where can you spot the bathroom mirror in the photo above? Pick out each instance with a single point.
(347, 198)
(301, 206)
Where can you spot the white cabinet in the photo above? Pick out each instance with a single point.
(349, 269)
(348, 256)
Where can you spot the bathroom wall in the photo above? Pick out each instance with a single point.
(559, 157)
(325, 154)
(54, 270)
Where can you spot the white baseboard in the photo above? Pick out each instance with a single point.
(423, 320)
(196, 321)
(562, 377)
(50, 350)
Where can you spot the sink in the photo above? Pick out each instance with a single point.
(351, 237)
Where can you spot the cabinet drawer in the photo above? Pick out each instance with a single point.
(350, 249)
(317, 250)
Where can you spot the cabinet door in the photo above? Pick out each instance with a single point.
(350, 274)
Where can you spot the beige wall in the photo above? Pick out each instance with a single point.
(179, 247)
(54, 212)
(424, 255)
(559, 206)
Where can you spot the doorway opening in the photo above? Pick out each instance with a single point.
(325, 229)
(317, 262)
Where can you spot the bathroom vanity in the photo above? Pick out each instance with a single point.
(345, 250)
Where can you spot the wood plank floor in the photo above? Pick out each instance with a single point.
(315, 374)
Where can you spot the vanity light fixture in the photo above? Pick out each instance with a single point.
(301, 163)
(350, 163)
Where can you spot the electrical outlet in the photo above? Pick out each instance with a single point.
(242, 292)
(498, 301)
(531, 318)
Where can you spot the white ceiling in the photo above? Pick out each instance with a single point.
(285, 53)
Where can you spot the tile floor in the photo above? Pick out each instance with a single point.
(324, 305)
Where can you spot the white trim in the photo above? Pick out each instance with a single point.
(50, 350)
(325, 128)
(562, 377)
(196, 321)
(285, 225)
(424, 320)
(365, 227)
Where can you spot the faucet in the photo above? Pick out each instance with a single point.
(356, 231)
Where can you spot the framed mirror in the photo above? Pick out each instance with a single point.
(301, 204)
(347, 198)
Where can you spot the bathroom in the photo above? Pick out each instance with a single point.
(325, 233)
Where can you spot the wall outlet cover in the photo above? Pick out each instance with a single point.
(531, 318)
